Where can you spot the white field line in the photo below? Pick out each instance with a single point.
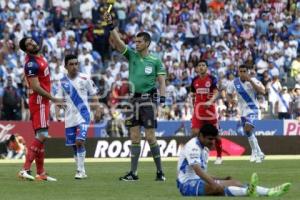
(91, 160)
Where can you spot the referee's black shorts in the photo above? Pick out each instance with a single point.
(142, 112)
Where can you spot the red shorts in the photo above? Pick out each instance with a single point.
(39, 114)
(199, 120)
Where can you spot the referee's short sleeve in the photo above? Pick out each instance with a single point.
(160, 69)
(127, 52)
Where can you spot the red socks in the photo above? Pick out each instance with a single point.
(35, 152)
(219, 147)
(39, 159)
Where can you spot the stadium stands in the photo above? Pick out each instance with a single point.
(263, 34)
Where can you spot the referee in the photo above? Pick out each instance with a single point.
(144, 70)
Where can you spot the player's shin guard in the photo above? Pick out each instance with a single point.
(135, 154)
(39, 159)
(156, 156)
(219, 147)
(81, 157)
(31, 154)
(235, 191)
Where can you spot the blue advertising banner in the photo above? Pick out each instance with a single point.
(262, 127)
(227, 128)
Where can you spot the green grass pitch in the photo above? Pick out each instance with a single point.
(103, 182)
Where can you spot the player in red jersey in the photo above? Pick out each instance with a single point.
(38, 78)
(205, 90)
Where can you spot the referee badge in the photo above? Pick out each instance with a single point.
(148, 70)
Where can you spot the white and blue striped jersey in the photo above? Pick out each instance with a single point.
(192, 153)
(76, 92)
(245, 107)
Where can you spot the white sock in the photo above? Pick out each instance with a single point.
(257, 147)
(81, 158)
(235, 191)
(252, 141)
(76, 161)
(262, 191)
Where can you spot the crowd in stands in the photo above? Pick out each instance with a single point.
(264, 34)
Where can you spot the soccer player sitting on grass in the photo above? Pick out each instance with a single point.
(193, 179)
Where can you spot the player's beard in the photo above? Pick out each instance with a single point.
(36, 50)
(203, 73)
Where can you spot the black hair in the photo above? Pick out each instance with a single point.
(69, 57)
(22, 43)
(146, 36)
(209, 130)
(12, 138)
(244, 66)
(203, 61)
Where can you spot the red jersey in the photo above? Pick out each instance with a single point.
(37, 66)
(203, 89)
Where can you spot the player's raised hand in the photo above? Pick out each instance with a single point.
(108, 18)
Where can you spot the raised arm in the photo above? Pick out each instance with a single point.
(259, 88)
(118, 42)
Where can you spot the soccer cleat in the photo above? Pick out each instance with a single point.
(218, 161)
(129, 177)
(251, 190)
(279, 190)
(260, 158)
(26, 175)
(252, 157)
(44, 177)
(80, 175)
(160, 176)
(262, 155)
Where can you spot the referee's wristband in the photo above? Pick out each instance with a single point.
(162, 99)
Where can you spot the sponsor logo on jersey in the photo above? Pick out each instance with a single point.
(202, 90)
(207, 84)
(30, 64)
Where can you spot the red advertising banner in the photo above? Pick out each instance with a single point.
(25, 129)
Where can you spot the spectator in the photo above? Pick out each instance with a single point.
(225, 33)
(295, 69)
(296, 102)
(100, 123)
(86, 9)
(115, 126)
(231, 111)
(283, 104)
(11, 102)
(273, 88)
